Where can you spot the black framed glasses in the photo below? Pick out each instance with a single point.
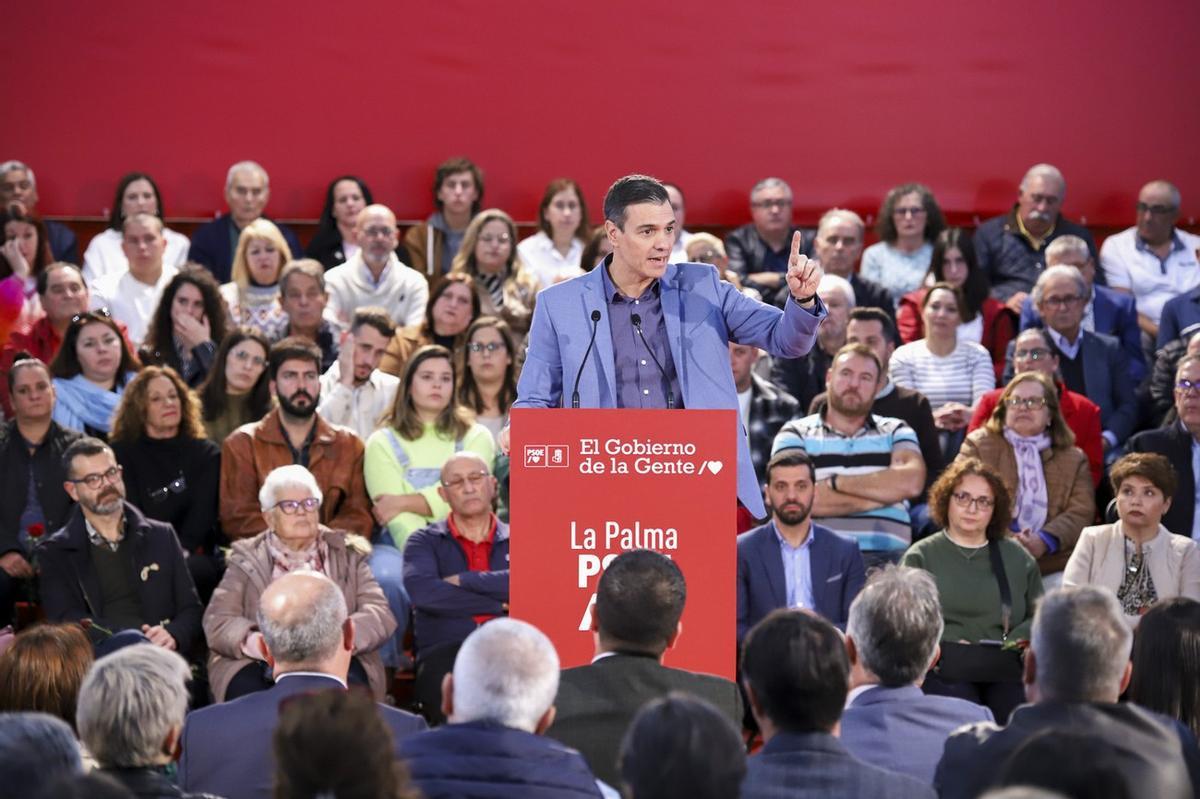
(1188, 386)
(964, 500)
(176, 486)
(491, 346)
(294, 506)
(1028, 403)
(1156, 210)
(97, 479)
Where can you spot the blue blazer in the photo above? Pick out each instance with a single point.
(1115, 314)
(210, 245)
(227, 748)
(837, 567)
(795, 765)
(703, 314)
(903, 729)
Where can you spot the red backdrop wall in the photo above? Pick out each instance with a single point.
(841, 99)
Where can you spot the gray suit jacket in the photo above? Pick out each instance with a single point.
(815, 764)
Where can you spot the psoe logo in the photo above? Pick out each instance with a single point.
(547, 456)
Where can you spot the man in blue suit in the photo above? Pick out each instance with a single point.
(637, 332)
(892, 641)
(308, 639)
(790, 562)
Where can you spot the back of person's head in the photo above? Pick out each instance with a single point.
(302, 617)
(1022, 792)
(795, 667)
(334, 743)
(1080, 644)
(681, 747)
(1074, 763)
(43, 670)
(93, 785)
(896, 623)
(130, 702)
(1166, 661)
(33, 748)
(507, 673)
(639, 601)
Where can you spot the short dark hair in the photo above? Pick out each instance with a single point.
(1067, 762)
(947, 483)
(84, 447)
(292, 348)
(860, 350)
(1148, 465)
(871, 314)
(374, 317)
(632, 190)
(43, 277)
(792, 456)
(797, 667)
(639, 600)
(1166, 661)
(452, 166)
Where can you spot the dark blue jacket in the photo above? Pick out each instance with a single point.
(1179, 316)
(797, 765)
(837, 569)
(482, 759)
(444, 613)
(211, 245)
(1008, 259)
(63, 244)
(70, 587)
(1115, 314)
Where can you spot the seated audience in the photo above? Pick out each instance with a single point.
(293, 433)
(334, 240)
(137, 193)
(837, 245)
(985, 320)
(682, 237)
(247, 189)
(303, 298)
(293, 539)
(488, 386)
(426, 426)
(453, 305)
(254, 291)
(458, 194)
(892, 642)
(1137, 557)
(764, 406)
(1011, 247)
(635, 621)
(1154, 260)
(35, 748)
(171, 471)
(499, 700)
(987, 585)
(790, 562)
(1074, 671)
(31, 477)
(374, 275)
(237, 389)
(705, 248)
(308, 631)
(553, 253)
(856, 494)
(91, 370)
(759, 251)
(131, 296)
(1166, 671)
(1072, 763)
(796, 674)
(187, 326)
(18, 185)
(681, 747)
(598, 247)
(24, 255)
(111, 565)
(1034, 352)
(1180, 318)
(909, 222)
(1029, 447)
(505, 284)
(43, 669)
(1157, 395)
(1177, 442)
(804, 377)
(355, 393)
(91, 785)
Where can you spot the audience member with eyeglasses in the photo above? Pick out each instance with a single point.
(987, 583)
(90, 372)
(1156, 396)
(111, 565)
(237, 390)
(909, 222)
(294, 539)
(1028, 445)
(488, 379)
(759, 251)
(505, 284)
(172, 472)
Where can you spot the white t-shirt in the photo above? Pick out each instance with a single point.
(104, 255)
(547, 264)
(131, 301)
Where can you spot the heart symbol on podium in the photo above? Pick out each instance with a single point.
(715, 466)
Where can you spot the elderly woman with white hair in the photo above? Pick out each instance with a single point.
(294, 540)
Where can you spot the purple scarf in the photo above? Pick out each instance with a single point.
(1031, 500)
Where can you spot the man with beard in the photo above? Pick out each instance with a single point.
(293, 433)
(789, 562)
(355, 393)
(867, 467)
(112, 565)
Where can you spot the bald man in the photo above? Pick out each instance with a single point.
(375, 276)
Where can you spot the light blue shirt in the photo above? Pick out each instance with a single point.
(1196, 481)
(797, 571)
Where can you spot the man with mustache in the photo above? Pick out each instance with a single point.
(112, 565)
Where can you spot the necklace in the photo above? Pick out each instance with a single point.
(962, 550)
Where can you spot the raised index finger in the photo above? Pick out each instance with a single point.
(797, 240)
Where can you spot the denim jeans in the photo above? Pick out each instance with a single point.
(387, 564)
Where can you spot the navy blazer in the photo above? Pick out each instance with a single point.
(1174, 443)
(904, 729)
(210, 245)
(838, 574)
(815, 764)
(1115, 314)
(70, 587)
(227, 748)
(1180, 317)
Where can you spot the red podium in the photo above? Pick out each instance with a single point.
(589, 484)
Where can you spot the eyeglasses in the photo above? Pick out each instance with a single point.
(474, 478)
(1188, 387)
(912, 211)
(176, 486)
(1062, 302)
(964, 500)
(292, 506)
(371, 232)
(97, 479)
(771, 204)
(91, 316)
(1156, 210)
(491, 238)
(242, 355)
(490, 347)
(1037, 354)
(1028, 403)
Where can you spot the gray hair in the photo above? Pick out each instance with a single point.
(507, 673)
(291, 476)
(309, 629)
(1081, 643)
(841, 213)
(896, 623)
(834, 283)
(246, 166)
(1067, 245)
(1055, 272)
(13, 165)
(1176, 198)
(34, 748)
(128, 703)
(1045, 171)
(771, 183)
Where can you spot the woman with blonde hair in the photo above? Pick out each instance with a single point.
(253, 292)
(506, 288)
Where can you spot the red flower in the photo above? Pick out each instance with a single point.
(36, 530)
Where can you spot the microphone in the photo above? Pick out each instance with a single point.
(586, 353)
(637, 325)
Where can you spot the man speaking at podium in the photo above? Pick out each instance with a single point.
(637, 332)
